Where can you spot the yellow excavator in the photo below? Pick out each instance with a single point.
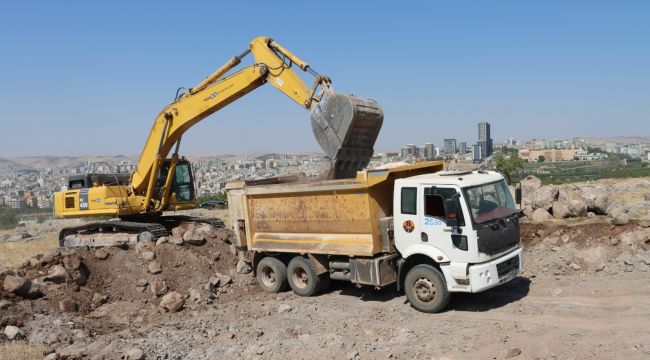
(345, 127)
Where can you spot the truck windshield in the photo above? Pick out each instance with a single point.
(490, 201)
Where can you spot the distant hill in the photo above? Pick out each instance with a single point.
(8, 166)
(618, 140)
(59, 162)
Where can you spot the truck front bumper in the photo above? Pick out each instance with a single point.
(496, 272)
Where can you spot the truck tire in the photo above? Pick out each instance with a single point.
(272, 275)
(302, 277)
(426, 289)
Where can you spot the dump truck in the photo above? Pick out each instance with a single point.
(426, 231)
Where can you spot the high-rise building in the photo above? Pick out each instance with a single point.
(428, 151)
(462, 147)
(476, 153)
(405, 153)
(413, 150)
(485, 139)
(450, 146)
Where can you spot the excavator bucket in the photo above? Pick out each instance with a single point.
(346, 128)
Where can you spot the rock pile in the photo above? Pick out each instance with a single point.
(190, 269)
(544, 203)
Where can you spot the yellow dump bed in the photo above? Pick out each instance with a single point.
(336, 217)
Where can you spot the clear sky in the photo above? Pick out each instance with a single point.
(82, 78)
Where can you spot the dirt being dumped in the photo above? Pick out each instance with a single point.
(583, 294)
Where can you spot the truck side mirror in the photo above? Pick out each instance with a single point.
(518, 195)
(452, 211)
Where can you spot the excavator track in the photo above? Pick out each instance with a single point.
(175, 219)
(121, 233)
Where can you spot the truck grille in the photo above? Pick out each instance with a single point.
(507, 266)
(69, 202)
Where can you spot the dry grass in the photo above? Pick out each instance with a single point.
(13, 253)
(21, 351)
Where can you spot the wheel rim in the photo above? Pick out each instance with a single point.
(269, 277)
(424, 289)
(300, 278)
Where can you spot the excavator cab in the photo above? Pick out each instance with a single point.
(182, 189)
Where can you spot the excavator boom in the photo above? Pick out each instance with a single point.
(345, 127)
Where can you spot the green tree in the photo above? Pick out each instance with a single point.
(509, 151)
(220, 196)
(7, 218)
(508, 165)
(541, 158)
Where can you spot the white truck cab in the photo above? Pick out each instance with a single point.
(466, 221)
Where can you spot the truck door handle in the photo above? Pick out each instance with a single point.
(424, 236)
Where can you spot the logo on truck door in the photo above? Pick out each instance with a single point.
(408, 226)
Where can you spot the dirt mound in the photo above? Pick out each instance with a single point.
(88, 281)
(593, 245)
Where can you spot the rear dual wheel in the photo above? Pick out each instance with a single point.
(272, 275)
(302, 276)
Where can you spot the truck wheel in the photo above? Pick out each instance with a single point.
(426, 289)
(272, 275)
(302, 277)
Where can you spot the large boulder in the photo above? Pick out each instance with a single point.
(56, 274)
(158, 287)
(143, 246)
(154, 267)
(596, 199)
(544, 197)
(172, 302)
(528, 210)
(591, 258)
(243, 267)
(577, 208)
(72, 261)
(68, 305)
(15, 284)
(196, 235)
(12, 332)
(528, 187)
(541, 215)
(569, 192)
(561, 210)
(21, 287)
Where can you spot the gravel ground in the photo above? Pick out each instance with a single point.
(571, 302)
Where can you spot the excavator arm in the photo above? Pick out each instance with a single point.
(346, 127)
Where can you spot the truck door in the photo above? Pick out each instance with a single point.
(405, 213)
(434, 230)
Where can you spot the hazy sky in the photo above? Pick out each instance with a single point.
(81, 78)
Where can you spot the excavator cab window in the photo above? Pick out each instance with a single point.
(183, 184)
